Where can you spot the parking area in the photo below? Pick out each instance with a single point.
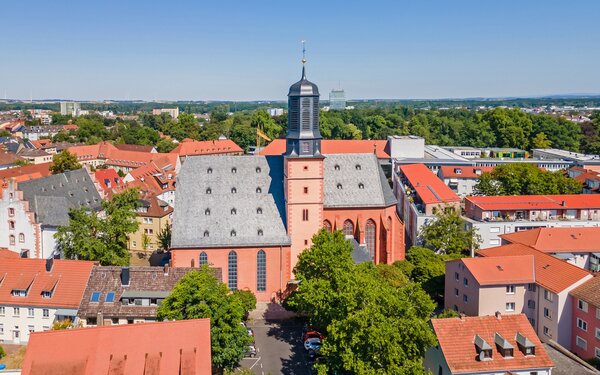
(279, 348)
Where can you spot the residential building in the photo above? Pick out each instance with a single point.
(578, 246)
(420, 196)
(127, 295)
(273, 112)
(337, 99)
(462, 180)
(34, 293)
(164, 348)
(484, 286)
(465, 151)
(190, 147)
(577, 159)
(137, 148)
(8, 160)
(493, 216)
(34, 209)
(35, 156)
(26, 172)
(487, 345)
(153, 216)
(173, 112)
(109, 181)
(585, 341)
(70, 108)
(589, 179)
(156, 178)
(37, 132)
(253, 215)
(550, 311)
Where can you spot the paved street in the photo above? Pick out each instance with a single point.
(279, 348)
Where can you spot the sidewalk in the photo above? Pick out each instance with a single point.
(270, 311)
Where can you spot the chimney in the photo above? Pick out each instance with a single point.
(49, 264)
(498, 315)
(124, 276)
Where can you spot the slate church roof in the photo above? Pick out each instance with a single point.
(52, 197)
(225, 201)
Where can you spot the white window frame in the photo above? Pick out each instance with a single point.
(597, 352)
(510, 289)
(546, 331)
(582, 340)
(31, 312)
(548, 295)
(510, 306)
(582, 305)
(582, 324)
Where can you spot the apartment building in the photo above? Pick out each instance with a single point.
(462, 180)
(153, 216)
(494, 216)
(487, 345)
(420, 195)
(549, 304)
(586, 319)
(34, 293)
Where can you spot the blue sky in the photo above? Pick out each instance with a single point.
(250, 50)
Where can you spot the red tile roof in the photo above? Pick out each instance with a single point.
(154, 207)
(518, 269)
(536, 202)
(552, 273)
(106, 177)
(116, 157)
(448, 171)
(41, 143)
(427, 185)
(556, 240)
(136, 148)
(5, 253)
(589, 292)
(70, 276)
(162, 348)
(336, 146)
(220, 146)
(27, 172)
(456, 337)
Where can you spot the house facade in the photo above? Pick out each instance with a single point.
(586, 320)
(462, 180)
(153, 215)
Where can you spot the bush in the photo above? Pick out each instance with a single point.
(247, 299)
(2, 353)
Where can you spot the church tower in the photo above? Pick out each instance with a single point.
(303, 166)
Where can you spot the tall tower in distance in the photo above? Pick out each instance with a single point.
(337, 99)
(303, 165)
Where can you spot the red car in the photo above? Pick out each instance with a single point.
(312, 334)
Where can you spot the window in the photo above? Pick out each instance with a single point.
(510, 289)
(95, 297)
(531, 304)
(11, 239)
(465, 298)
(370, 238)
(510, 306)
(19, 293)
(581, 324)
(456, 293)
(305, 190)
(110, 297)
(11, 211)
(495, 230)
(548, 295)
(16, 311)
(531, 287)
(148, 231)
(495, 242)
(206, 234)
(11, 224)
(259, 211)
(547, 331)
(547, 313)
(91, 321)
(260, 232)
(21, 237)
(207, 212)
(466, 281)
(339, 186)
(203, 259)
(233, 211)
(305, 214)
(30, 312)
(261, 271)
(597, 313)
(233, 190)
(148, 220)
(31, 329)
(232, 270)
(327, 225)
(258, 170)
(348, 228)
(2, 310)
(1, 329)
(258, 190)
(456, 276)
(582, 305)
(134, 243)
(532, 322)
(596, 352)
(598, 333)
(580, 342)
(208, 191)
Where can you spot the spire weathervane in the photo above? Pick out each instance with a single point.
(303, 52)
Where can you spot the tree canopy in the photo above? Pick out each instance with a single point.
(200, 295)
(64, 161)
(447, 233)
(525, 179)
(102, 238)
(375, 319)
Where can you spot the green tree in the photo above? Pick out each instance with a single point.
(375, 319)
(262, 119)
(247, 299)
(541, 141)
(64, 161)
(200, 295)
(22, 162)
(165, 145)
(2, 352)
(102, 238)
(164, 238)
(447, 234)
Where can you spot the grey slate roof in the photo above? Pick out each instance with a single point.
(196, 212)
(356, 180)
(52, 197)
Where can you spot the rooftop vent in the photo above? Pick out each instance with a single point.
(504, 347)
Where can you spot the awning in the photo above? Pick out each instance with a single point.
(564, 255)
(66, 312)
(144, 294)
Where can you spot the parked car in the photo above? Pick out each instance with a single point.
(312, 343)
(251, 351)
(312, 334)
(250, 332)
(313, 355)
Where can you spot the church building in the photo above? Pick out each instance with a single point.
(253, 215)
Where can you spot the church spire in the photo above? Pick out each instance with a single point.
(303, 60)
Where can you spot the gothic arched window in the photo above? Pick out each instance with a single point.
(261, 271)
(203, 259)
(232, 270)
(348, 228)
(370, 238)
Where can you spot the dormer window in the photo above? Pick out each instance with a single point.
(339, 186)
(258, 170)
(525, 345)
(336, 167)
(457, 170)
(206, 233)
(358, 167)
(209, 171)
(19, 293)
(233, 211)
(232, 233)
(483, 349)
(208, 191)
(258, 190)
(46, 294)
(207, 212)
(260, 232)
(234, 170)
(503, 346)
(233, 190)
(361, 185)
(259, 211)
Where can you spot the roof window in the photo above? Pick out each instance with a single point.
(110, 297)
(260, 232)
(339, 186)
(233, 211)
(336, 167)
(232, 233)
(206, 233)
(209, 171)
(95, 297)
(259, 211)
(361, 185)
(484, 350)
(504, 347)
(207, 212)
